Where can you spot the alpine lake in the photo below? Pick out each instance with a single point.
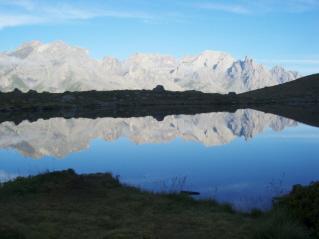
(244, 158)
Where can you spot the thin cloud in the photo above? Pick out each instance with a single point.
(292, 61)
(25, 12)
(25, 4)
(231, 8)
(32, 12)
(261, 6)
(18, 20)
(302, 5)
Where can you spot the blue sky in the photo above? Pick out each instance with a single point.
(272, 32)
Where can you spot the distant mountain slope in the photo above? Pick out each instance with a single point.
(58, 67)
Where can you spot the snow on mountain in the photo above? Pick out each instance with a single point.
(58, 67)
(59, 137)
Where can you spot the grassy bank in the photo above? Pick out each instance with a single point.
(67, 205)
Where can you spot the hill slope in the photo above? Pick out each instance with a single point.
(300, 90)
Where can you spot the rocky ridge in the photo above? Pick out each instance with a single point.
(58, 67)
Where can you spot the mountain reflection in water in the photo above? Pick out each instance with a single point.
(59, 137)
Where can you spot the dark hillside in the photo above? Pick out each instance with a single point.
(300, 91)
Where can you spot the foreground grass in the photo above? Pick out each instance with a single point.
(67, 205)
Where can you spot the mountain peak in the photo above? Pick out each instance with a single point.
(249, 64)
(210, 59)
(248, 59)
(212, 53)
(25, 49)
(31, 44)
(60, 44)
(50, 50)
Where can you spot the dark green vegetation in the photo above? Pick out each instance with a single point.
(298, 100)
(303, 203)
(67, 205)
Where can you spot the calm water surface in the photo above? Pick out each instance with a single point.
(244, 158)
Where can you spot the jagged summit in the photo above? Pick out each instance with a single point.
(215, 57)
(59, 67)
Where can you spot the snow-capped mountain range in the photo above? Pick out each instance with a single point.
(58, 67)
(59, 137)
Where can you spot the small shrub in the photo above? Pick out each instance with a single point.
(303, 203)
(278, 224)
